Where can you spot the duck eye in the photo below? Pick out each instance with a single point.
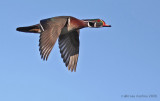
(98, 20)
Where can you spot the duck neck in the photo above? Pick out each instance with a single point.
(85, 23)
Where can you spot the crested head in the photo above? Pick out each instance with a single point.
(96, 23)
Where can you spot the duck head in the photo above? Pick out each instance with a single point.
(95, 23)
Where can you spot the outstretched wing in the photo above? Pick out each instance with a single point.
(50, 30)
(69, 49)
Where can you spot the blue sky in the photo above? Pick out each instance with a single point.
(113, 62)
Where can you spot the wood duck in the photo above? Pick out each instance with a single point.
(66, 28)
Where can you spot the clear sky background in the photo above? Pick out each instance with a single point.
(113, 62)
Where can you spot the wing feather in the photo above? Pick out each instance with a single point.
(69, 49)
(51, 30)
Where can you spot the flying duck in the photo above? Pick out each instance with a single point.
(66, 30)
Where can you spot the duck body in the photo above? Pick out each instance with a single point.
(66, 30)
(71, 23)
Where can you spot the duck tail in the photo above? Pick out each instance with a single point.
(30, 29)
